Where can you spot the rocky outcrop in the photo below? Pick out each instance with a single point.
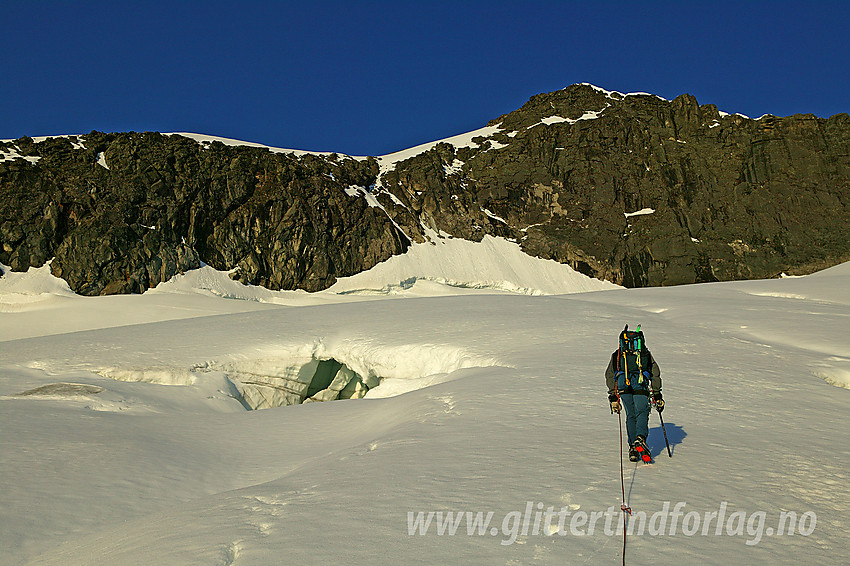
(122, 212)
(629, 188)
(719, 196)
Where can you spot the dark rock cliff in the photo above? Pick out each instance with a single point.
(731, 198)
(167, 202)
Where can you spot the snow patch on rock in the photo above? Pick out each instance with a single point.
(614, 95)
(14, 153)
(204, 140)
(373, 202)
(455, 167)
(493, 216)
(388, 162)
(641, 212)
(588, 115)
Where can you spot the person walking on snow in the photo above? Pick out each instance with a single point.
(632, 377)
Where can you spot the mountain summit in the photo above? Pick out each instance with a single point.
(630, 188)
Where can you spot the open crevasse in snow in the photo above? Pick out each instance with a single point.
(348, 369)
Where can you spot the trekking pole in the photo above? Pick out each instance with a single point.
(664, 430)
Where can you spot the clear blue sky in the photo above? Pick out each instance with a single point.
(374, 77)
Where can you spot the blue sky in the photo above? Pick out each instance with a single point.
(368, 78)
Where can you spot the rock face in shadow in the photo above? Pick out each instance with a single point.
(166, 202)
(731, 197)
(720, 197)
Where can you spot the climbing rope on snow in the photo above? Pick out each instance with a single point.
(625, 508)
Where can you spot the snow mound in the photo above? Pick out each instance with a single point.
(823, 286)
(34, 285)
(494, 264)
(214, 283)
(840, 270)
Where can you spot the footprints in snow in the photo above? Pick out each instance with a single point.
(265, 509)
(445, 405)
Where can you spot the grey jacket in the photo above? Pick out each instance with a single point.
(611, 380)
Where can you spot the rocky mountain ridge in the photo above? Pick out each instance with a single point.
(634, 189)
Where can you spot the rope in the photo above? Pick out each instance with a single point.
(625, 508)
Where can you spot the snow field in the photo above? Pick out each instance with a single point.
(487, 402)
(491, 439)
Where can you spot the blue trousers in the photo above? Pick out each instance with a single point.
(637, 415)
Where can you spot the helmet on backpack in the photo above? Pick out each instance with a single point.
(632, 340)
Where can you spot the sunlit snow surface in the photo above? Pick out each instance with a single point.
(122, 442)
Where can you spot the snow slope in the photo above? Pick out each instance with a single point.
(123, 443)
(494, 263)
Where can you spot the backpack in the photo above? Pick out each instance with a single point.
(634, 362)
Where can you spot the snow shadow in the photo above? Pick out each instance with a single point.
(675, 436)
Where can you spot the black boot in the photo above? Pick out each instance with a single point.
(642, 449)
(633, 454)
